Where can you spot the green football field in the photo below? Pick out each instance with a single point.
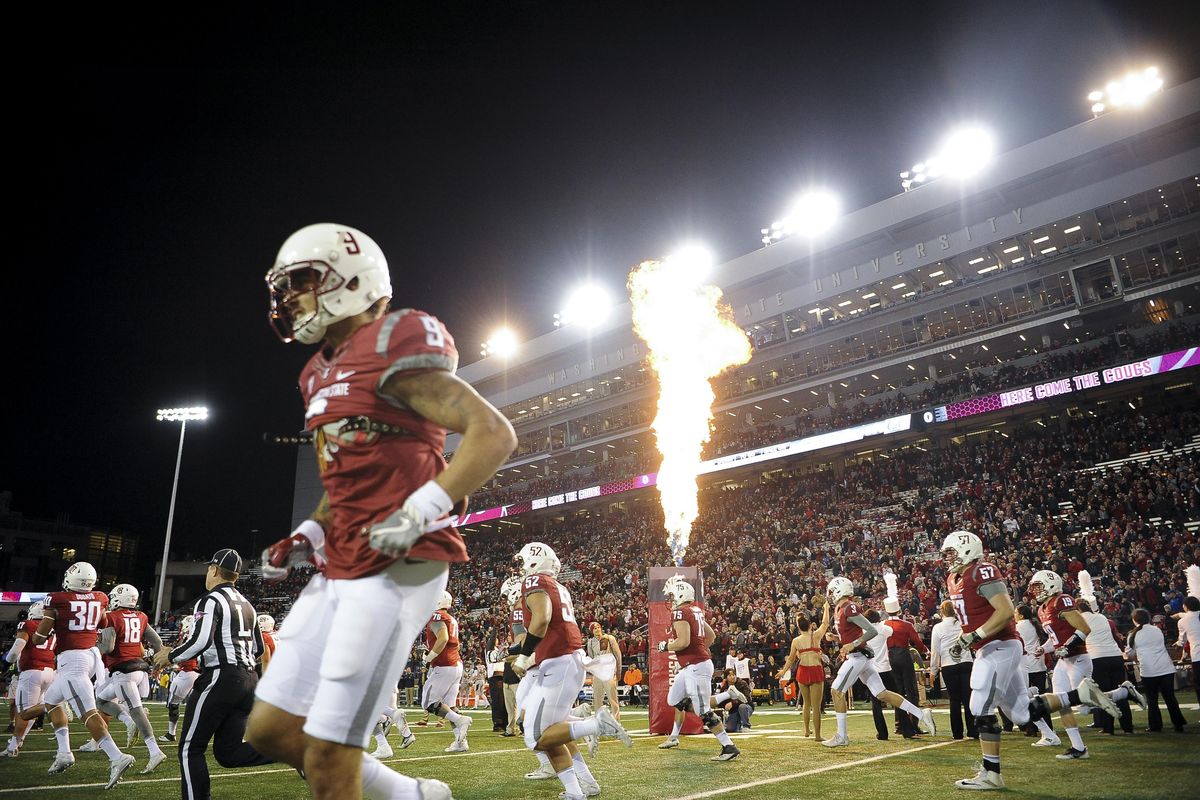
(776, 762)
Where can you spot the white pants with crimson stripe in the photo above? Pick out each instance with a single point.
(73, 681)
(551, 694)
(129, 688)
(442, 685)
(999, 680)
(31, 686)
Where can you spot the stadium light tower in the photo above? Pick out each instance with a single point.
(1132, 91)
(963, 153)
(502, 342)
(814, 212)
(183, 416)
(588, 305)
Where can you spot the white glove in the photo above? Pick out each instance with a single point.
(1060, 652)
(662, 647)
(428, 658)
(395, 535)
(521, 664)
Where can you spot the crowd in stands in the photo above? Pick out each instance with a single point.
(767, 548)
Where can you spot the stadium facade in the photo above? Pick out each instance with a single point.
(1089, 237)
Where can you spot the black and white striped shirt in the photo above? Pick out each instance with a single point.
(225, 632)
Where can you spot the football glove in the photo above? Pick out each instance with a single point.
(521, 664)
(662, 647)
(1061, 652)
(967, 639)
(398, 532)
(279, 558)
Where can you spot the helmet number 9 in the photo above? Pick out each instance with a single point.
(352, 248)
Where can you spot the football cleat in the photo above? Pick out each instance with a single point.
(153, 763)
(382, 751)
(736, 694)
(408, 741)
(92, 746)
(430, 789)
(927, 722)
(1091, 694)
(593, 746)
(1047, 742)
(1072, 754)
(837, 740)
(610, 727)
(672, 741)
(458, 746)
(116, 769)
(543, 772)
(61, 763)
(167, 737)
(132, 736)
(421, 723)
(460, 729)
(728, 753)
(984, 780)
(590, 788)
(10, 752)
(1136, 696)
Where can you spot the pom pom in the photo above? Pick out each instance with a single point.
(893, 590)
(1193, 581)
(1086, 590)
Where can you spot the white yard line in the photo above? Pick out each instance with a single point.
(828, 768)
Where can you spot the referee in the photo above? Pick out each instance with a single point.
(227, 641)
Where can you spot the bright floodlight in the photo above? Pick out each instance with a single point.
(813, 213)
(1131, 91)
(502, 342)
(589, 306)
(965, 152)
(182, 414)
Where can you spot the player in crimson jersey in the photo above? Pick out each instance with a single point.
(1067, 631)
(855, 630)
(75, 617)
(691, 690)
(129, 672)
(380, 395)
(181, 682)
(440, 694)
(266, 624)
(552, 655)
(36, 665)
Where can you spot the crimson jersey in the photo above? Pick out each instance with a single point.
(78, 618)
(129, 624)
(848, 631)
(562, 637)
(269, 642)
(516, 621)
(191, 665)
(35, 656)
(697, 651)
(970, 605)
(366, 474)
(449, 655)
(1058, 629)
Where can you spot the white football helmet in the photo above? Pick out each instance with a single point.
(837, 588)
(445, 601)
(1045, 584)
(343, 269)
(960, 549)
(510, 590)
(185, 627)
(123, 595)
(679, 590)
(537, 558)
(266, 623)
(37, 610)
(80, 577)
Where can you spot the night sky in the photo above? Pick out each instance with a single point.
(498, 152)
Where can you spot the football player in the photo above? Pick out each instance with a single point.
(1067, 631)
(129, 673)
(181, 682)
(515, 686)
(266, 624)
(74, 616)
(692, 688)
(551, 654)
(380, 395)
(393, 716)
(855, 630)
(442, 683)
(36, 665)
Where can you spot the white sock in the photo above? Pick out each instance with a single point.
(381, 783)
(380, 739)
(63, 737)
(723, 738)
(675, 729)
(125, 718)
(1076, 739)
(110, 748)
(171, 726)
(581, 768)
(453, 717)
(911, 709)
(1119, 694)
(152, 747)
(721, 698)
(841, 722)
(570, 782)
(1044, 728)
(584, 727)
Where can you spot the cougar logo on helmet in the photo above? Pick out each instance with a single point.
(341, 270)
(123, 595)
(266, 623)
(510, 590)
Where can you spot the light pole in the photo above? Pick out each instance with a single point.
(182, 416)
